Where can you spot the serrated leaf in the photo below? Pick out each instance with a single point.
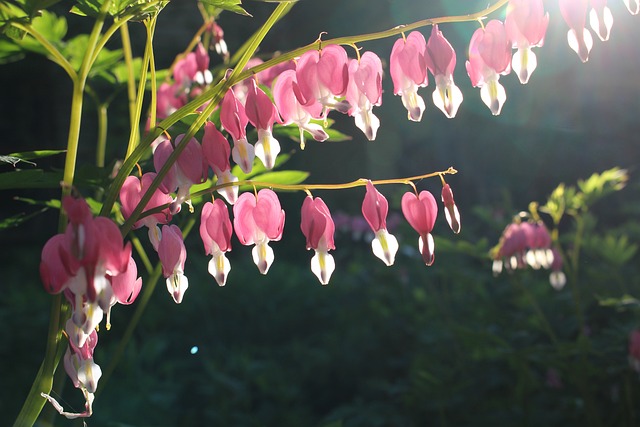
(76, 48)
(87, 8)
(230, 5)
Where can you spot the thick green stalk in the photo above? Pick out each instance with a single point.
(44, 379)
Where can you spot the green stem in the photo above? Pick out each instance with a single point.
(150, 27)
(134, 135)
(44, 379)
(102, 134)
(131, 80)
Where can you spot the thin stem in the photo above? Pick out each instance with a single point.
(102, 134)
(150, 27)
(134, 135)
(131, 80)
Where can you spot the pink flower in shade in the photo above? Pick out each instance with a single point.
(318, 227)
(193, 68)
(634, 350)
(633, 6)
(421, 212)
(364, 91)
(173, 255)
(131, 193)
(79, 365)
(189, 169)
(441, 61)
(557, 278)
(219, 44)
(450, 209)
(574, 13)
(601, 19)
(215, 231)
(408, 69)
(234, 120)
(322, 76)
(526, 26)
(216, 151)
(259, 219)
(375, 209)
(168, 100)
(489, 57)
(292, 111)
(538, 251)
(126, 287)
(261, 114)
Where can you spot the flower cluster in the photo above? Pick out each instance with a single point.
(528, 244)
(90, 264)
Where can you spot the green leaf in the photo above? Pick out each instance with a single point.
(230, 5)
(33, 7)
(9, 51)
(35, 178)
(17, 220)
(279, 177)
(38, 154)
(87, 7)
(600, 185)
(76, 48)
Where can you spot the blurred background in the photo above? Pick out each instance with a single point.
(407, 345)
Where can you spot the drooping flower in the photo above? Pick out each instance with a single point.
(489, 57)
(557, 278)
(318, 227)
(173, 254)
(601, 19)
(216, 151)
(261, 114)
(126, 287)
(375, 209)
(234, 120)
(421, 212)
(633, 6)
(574, 13)
(441, 61)
(526, 25)
(219, 44)
(215, 231)
(259, 219)
(131, 193)
(291, 111)
(189, 169)
(322, 76)
(450, 209)
(408, 69)
(364, 91)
